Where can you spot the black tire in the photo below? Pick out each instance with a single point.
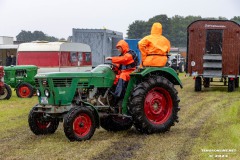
(206, 82)
(237, 82)
(161, 115)
(25, 90)
(7, 92)
(116, 123)
(198, 84)
(79, 124)
(40, 125)
(231, 85)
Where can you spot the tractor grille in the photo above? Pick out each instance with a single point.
(82, 84)
(62, 82)
(43, 81)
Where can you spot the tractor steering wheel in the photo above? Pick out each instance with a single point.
(114, 67)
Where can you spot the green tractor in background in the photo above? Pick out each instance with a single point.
(5, 90)
(21, 78)
(83, 102)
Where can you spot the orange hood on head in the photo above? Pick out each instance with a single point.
(156, 29)
(124, 45)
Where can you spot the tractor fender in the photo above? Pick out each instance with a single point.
(18, 83)
(166, 72)
(96, 115)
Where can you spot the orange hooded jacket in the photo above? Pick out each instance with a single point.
(154, 47)
(124, 59)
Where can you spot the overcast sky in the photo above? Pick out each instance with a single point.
(58, 17)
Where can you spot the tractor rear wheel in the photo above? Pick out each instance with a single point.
(41, 124)
(79, 124)
(24, 90)
(7, 92)
(154, 105)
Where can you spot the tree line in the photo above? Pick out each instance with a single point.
(174, 28)
(28, 36)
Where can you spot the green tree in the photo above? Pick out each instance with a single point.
(179, 26)
(236, 19)
(24, 36)
(175, 28)
(164, 20)
(178, 30)
(136, 30)
(28, 36)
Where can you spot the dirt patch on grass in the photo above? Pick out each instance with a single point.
(124, 148)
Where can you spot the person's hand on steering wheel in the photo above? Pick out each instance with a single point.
(108, 58)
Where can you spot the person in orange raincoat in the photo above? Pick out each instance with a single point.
(126, 66)
(154, 47)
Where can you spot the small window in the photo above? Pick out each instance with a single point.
(73, 56)
(88, 57)
(214, 41)
(21, 73)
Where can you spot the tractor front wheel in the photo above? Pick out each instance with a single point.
(79, 124)
(24, 90)
(40, 124)
(154, 105)
(7, 92)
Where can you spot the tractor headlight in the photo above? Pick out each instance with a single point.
(38, 92)
(47, 93)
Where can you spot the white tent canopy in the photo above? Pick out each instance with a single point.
(54, 46)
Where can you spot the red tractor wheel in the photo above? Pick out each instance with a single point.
(41, 124)
(154, 105)
(24, 90)
(79, 124)
(158, 105)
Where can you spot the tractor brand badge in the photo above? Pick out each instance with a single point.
(62, 92)
(40, 75)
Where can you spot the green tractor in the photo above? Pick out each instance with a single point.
(5, 90)
(21, 78)
(84, 102)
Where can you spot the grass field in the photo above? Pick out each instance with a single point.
(209, 128)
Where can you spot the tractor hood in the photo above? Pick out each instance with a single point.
(101, 76)
(62, 85)
(99, 71)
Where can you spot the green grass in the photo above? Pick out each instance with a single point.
(220, 132)
(14, 112)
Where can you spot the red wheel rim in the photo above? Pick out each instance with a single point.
(24, 91)
(82, 125)
(41, 123)
(158, 105)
